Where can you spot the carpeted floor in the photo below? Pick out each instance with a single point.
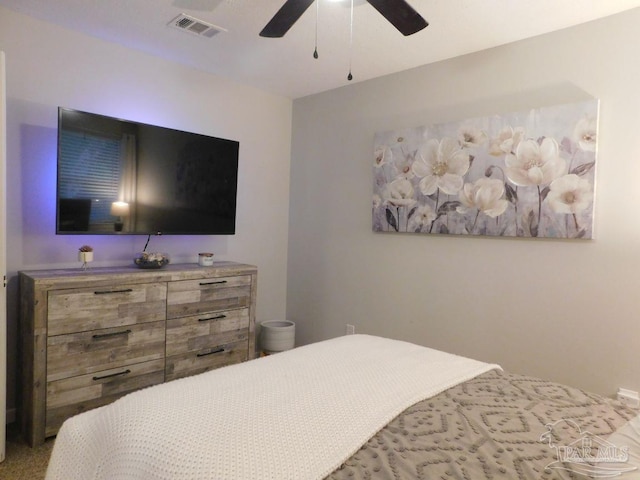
(21, 461)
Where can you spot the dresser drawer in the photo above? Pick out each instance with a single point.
(198, 332)
(191, 297)
(82, 309)
(230, 348)
(74, 395)
(96, 350)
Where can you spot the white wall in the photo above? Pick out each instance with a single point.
(49, 67)
(563, 310)
(3, 263)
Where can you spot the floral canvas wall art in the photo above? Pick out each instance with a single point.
(523, 174)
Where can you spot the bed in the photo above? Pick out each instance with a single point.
(354, 407)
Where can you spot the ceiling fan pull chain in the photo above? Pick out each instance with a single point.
(350, 77)
(315, 52)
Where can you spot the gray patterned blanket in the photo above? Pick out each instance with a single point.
(500, 425)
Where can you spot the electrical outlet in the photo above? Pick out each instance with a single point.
(629, 397)
(351, 329)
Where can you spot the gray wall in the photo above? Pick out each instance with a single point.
(563, 310)
(49, 67)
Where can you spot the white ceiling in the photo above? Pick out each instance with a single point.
(286, 65)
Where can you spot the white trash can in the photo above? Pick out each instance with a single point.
(277, 335)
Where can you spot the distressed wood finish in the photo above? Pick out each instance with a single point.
(94, 350)
(190, 334)
(201, 342)
(179, 366)
(81, 309)
(74, 395)
(200, 296)
(65, 370)
(207, 324)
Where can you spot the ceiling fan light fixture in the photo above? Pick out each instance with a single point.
(398, 12)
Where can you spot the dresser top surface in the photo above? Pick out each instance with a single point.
(131, 273)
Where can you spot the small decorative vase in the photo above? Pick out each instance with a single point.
(205, 259)
(85, 258)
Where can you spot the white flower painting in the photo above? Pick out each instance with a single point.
(524, 174)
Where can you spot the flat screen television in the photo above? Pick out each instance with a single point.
(123, 177)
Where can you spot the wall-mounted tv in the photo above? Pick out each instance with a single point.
(123, 177)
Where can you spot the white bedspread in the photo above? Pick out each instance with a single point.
(295, 415)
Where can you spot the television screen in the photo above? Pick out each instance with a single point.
(122, 177)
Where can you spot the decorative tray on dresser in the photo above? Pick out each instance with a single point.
(91, 336)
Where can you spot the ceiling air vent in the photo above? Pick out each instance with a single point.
(195, 26)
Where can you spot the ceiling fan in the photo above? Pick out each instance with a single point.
(398, 12)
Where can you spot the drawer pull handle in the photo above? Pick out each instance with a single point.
(219, 282)
(212, 352)
(106, 292)
(218, 317)
(100, 336)
(127, 371)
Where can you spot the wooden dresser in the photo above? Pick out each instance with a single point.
(91, 336)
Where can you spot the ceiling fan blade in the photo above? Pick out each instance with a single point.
(400, 14)
(282, 21)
